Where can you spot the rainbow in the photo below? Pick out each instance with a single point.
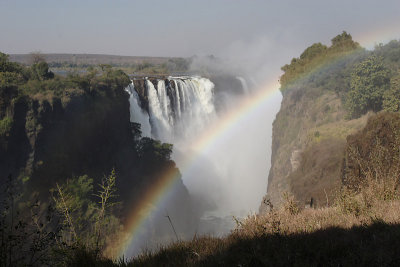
(157, 193)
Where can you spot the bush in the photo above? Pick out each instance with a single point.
(5, 126)
(391, 98)
(369, 81)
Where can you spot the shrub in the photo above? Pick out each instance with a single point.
(5, 126)
(369, 81)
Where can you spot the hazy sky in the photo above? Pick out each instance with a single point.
(185, 27)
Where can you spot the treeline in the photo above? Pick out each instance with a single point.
(317, 55)
(37, 81)
(365, 80)
(172, 65)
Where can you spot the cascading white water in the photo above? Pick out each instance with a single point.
(223, 180)
(136, 112)
(227, 179)
(164, 102)
(196, 107)
(180, 106)
(158, 117)
(244, 84)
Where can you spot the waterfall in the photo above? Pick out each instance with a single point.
(196, 106)
(161, 126)
(227, 179)
(177, 107)
(136, 112)
(244, 84)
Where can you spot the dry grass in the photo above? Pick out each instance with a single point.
(361, 228)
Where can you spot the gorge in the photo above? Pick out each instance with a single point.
(185, 110)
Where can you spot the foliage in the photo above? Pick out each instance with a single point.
(86, 222)
(5, 126)
(390, 54)
(32, 234)
(151, 151)
(391, 97)
(344, 42)
(290, 205)
(369, 81)
(17, 80)
(27, 230)
(374, 152)
(7, 66)
(316, 55)
(40, 71)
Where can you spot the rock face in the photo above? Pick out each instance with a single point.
(52, 140)
(308, 143)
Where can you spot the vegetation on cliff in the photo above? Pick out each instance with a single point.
(329, 93)
(317, 55)
(59, 136)
(64, 63)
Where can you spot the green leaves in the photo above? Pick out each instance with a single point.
(150, 150)
(316, 55)
(40, 71)
(369, 81)
(5, 126)
(391, 98)
(87, 221)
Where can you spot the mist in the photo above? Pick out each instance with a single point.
(233, 173)
(228, 178)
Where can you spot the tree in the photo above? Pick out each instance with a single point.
(152, 151)
(87, 222)
(40, 71)
(11, 76)
(36, 57)
(391, 98)
(369, 81)
(317, 55)
(7, 66)
(344, 42)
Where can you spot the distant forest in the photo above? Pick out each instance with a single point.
(61, 63)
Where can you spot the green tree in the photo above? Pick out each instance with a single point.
(72, 201)
(87, 216)
(317, 55)
(369, 81)
(153, 151)
(344, 42)
(40, 71)
(11, 76)
(7, 66)
(391, 98)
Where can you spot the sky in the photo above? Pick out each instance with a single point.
(186, 27)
